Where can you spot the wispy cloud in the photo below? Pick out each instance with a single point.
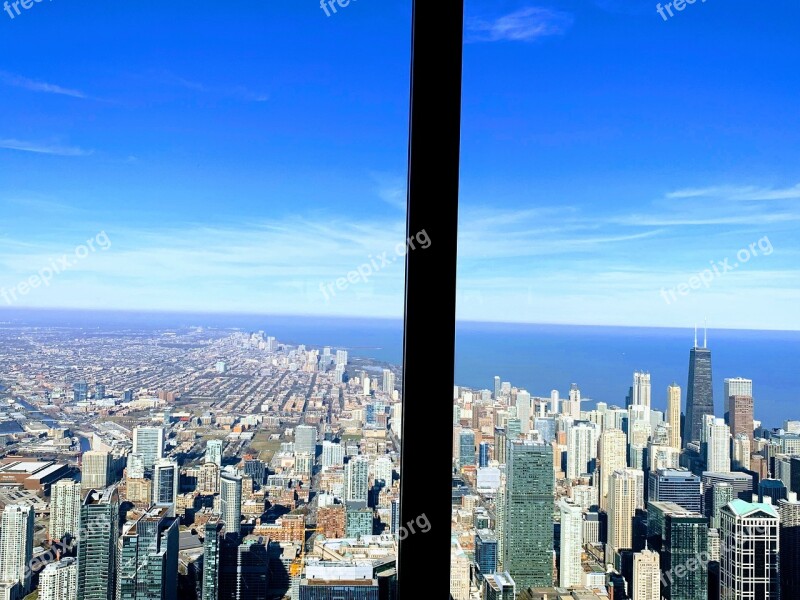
(40, 148)
(392, 190)
(525, 25)
(740, 193)
(38, 86)
(239, 92)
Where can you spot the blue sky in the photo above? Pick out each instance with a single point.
(240, 155)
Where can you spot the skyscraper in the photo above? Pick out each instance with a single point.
(528, 514)
(166, 477)
(570, 571)
(741, 415)
(388, 381)
(214, 452)
(524, 410)
(16, 545)
(95, 470)
(613, 457)
(735, 386)
(674, 415)
(486, 551)
(252, 570)
(212, 547)
(499, 586)
(646, 576)
(716, 441)
(699, 392)
(230, 487)
(789, 512)
(625, 496)
(305, 439)
(640, 391)
(686, 540)
(97, 550)
(676, 485)
(148, 557)
(750, 554)
(149, 443)
(483, 454)
(356, 474)
(466, 445)
(581, 448)
(59, 580)
(496, 387)
(332, 454)
(65, 509)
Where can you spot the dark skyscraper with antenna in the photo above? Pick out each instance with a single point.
(699, 393)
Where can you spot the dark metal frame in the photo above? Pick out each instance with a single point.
(430, 309)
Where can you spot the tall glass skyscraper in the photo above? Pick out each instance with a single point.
(528, 515)
(231, 503)
(686, 538)
(97, 550)
(466, 444)
(699, 393)
(148, 557)
(212, 546)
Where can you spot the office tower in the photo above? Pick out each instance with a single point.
(135, 467)
(750, 556)
(741, 452)
(65, 509)
(95, 469)
(148, 557)
(214, 452)
(546, 427)
(789, 512)
(742, 483)
(735, 386)
(581, 449)
(646, 576)
(466, 444)
(640, 391)
(212, 551)
(570, 570)
(741, 415)
(674, 415)
(699, 392)
(676, 485)
(388, 381)
(685, 546)
(486, 551)
(252, 570)
(528, 514)
(772, 489)
(80, 391)
(332, 454)
(356, 475)
(625, 496)
(554, 402)
(367, 386)
(513, 429)
(257, 470)
(483, 454)
(499, 586)
(16, 544)
(496, 387)
(149, 443)
(166, 477)
(524, 410)
(230, 492)
(305, 439)
(97, 550)
(613, 457)
(303, 463)
(59, 580)
(717, 445)
(719, 495)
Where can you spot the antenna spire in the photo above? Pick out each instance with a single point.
(705, 333)
(695, 335)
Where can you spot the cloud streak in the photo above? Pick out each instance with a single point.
(37, 148)
(525, 25)
(38, 86)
